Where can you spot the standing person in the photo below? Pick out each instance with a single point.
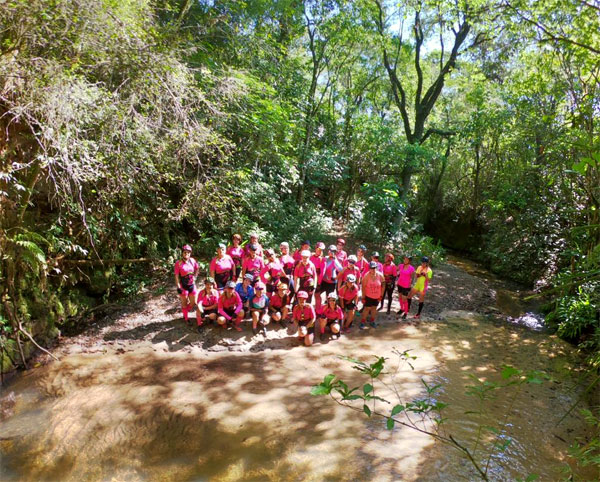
(208, 303)
(361, 262)
(373, 285)
(348, 294)
(304, 316)
(236, 252)
(305, 246)
(245, 291)
(253, 264)
(350, 268)
(331, 315)
(305, 275)
(222, 267)
(389, 275)
(374, 258)
(341, 255)
(423, 275)
(331, 267)
(406, 276)
(259, 306)
(253, 242)
(186, 270)
(317, 258)
(230, 307)
(272, 272)
(289, 264)
(279, 305)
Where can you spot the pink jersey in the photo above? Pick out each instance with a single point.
(275, 270)
(348, 294)
(379, 268)
(186, 268)
(389, 272)
(372, 285)
(342, 257)
(331, 314)
(208, 299)
(363, 265)
(288, 263)
(279, 302)
(331, 268)
(233, 302)
(236, 253)
(307, 270)
(350, 269)
(253, 266)
(247, 250)
(222, 265)
(405, 275)
(318, 261)
(305, 315)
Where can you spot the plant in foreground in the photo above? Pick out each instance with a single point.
(426, 414)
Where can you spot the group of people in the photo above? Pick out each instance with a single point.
(315, 290)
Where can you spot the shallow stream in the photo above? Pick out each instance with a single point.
(159, 414)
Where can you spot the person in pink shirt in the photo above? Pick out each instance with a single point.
(373, 285)
(236, 252)
(222, 267)
(279, 305)
(406, 275)
(389, 275)
(186, 270)
(317, 258)
(361, 262)
(332, 266)
(348, 299)
(208, 302)
(341, 255)
(304, 316)
(253, 242)
(253, 264)
(272, 272)
(332, 316)
(374, 257)
(305, 275)
(230, 307)
(350, 268)
(289, 263)
(305, 246)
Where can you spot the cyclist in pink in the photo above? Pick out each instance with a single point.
(208, 302)
(253, 242)
(236, 252)
(406, 275)
(272, 272)
(305, 275)
(289, 263)
(331, 269)
(186, 270)
(279, 305)
(348, 299)
(253, 264)
(317, 258)
(350, 268)
(332, 316)
(305, 246)
(389, 275)
(230, 307)
(373, 285)
(341, 255)
(304, 316)
(361, 262)
(222, 267)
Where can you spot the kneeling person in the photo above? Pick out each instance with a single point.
(230, 307)
(331, 315)
(279, 305)
(259, 305)
(304, 315)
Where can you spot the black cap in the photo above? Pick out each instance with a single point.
(373, 264)
(424, 259)
(362, 247)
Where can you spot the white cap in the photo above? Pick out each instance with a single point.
(305, 253)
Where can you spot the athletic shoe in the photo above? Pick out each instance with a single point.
(199, 328)
(283, 323)
(263, 330)
(416, 317)
(322, 336)
(237, 328)
(404, 315)
(255, 330)
(362, 326)
(372, 324)
(388, 311)
(335, 336)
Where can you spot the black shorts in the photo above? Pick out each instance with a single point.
(403, 291)
(222, 278)
(327, 287)
(371, 302)
(349, 305)
(209, 312)
(230, 312)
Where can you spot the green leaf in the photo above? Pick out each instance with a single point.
(508, 371)
(320, 390)
(397, 409)
(367, 410)
(328, 379)
(367, 388)
(532, 477)
(390, 423)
